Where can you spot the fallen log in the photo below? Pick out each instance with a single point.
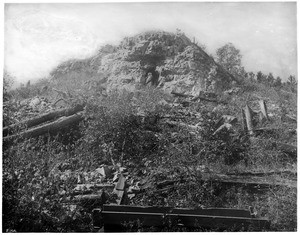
(50, 128)
(41, 119)
(115, 217)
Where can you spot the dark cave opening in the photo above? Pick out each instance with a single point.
(152, 76)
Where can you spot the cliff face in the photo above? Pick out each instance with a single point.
(171, 61)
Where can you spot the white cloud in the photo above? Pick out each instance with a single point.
(36, 41)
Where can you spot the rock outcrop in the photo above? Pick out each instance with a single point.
(156, 58)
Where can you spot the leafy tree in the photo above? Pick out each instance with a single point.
(278, 82)
(251, 76)
(292, 80)
(240, 71)
(260, 77)
(270, 79)
(292, 83)
(230, 58)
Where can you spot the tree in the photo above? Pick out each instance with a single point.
(292, 80)
(278, 82)
(240, 71)
(270, 79)
(230, 58)
(251, 76)
(292, 83)
(261, 78)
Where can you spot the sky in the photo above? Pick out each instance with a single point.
(39, 36)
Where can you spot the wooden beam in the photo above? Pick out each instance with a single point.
(120, 189)
(263, 109)
(248, 117)
(220, 218)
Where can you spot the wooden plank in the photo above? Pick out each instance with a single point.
(215, 212)
(157, 217)
(244, 122)
(263, 109)
(204, 211)
(121, 183)
(127, 208)
(120, 189)
(248, 116)
(120, 195)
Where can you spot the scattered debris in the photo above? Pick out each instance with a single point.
(120, 188)
(225, 123)
(105, 171)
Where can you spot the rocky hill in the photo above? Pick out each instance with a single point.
(70, 145)
(157, 58)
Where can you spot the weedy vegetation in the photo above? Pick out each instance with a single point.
(130, 128)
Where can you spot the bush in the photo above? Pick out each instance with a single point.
(117, 126)
(34, 190)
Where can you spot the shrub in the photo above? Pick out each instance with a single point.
(34, 190)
